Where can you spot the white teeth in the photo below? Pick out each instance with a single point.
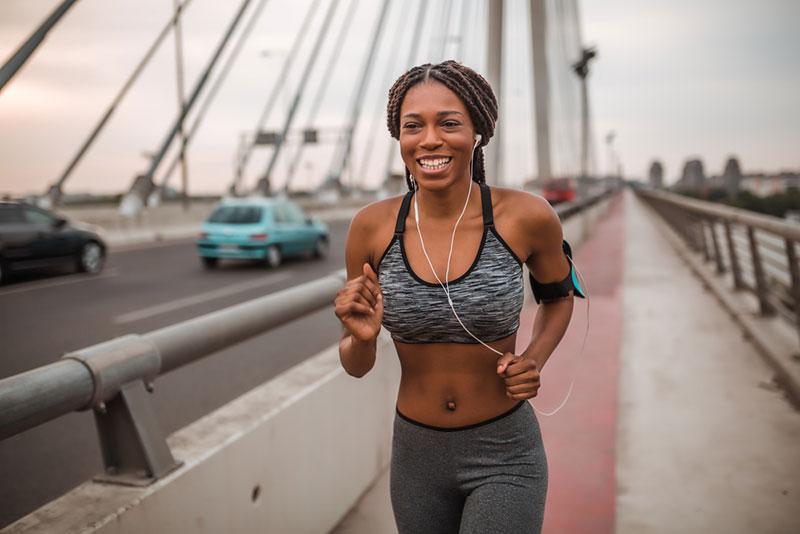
(433, 164)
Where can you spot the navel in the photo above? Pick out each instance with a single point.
(450, 405)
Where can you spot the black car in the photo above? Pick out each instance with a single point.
(31, 237)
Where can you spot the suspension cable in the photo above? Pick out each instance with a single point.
(412, 55)
(322, 88)
(231, 59)
(380, 103)
(244, 158)
(118, 98)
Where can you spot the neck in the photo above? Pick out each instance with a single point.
(447, 203)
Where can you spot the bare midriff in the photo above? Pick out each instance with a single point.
(452, 384)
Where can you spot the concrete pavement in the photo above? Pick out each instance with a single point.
(673, 425)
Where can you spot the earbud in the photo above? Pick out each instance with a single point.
(478, 138)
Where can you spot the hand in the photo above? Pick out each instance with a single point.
(359, 305)
(521, 376)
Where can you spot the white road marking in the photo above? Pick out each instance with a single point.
(173, 305)
(65, 280)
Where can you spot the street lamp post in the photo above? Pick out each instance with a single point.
(581, 69)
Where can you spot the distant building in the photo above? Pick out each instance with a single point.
(732, 177)
(693, 178)
(764, 185)
(656, 175)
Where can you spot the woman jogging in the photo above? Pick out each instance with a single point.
(441, 269)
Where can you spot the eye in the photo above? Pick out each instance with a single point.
(451, 124)
(410, 126)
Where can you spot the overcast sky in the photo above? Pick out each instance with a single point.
(674, 79)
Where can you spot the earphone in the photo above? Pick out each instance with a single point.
(446, 285)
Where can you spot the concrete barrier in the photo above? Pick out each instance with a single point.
(291, 456)
(578, 227)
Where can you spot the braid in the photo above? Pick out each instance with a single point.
(468, 85)
(479, 171)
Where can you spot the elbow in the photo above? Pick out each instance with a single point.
(357, 372)
(355, 367)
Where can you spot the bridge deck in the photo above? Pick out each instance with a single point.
(673, 425)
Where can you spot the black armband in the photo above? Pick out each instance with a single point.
(558, 290)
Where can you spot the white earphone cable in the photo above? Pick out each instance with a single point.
(573, 372)
(446, 285)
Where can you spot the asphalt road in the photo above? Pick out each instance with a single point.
(45, 315)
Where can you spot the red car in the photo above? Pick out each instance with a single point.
(557, 190)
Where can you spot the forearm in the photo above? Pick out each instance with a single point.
(357, 356)
(549, 326)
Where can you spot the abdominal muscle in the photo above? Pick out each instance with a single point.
(452, 384)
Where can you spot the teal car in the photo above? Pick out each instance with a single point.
(261, 229)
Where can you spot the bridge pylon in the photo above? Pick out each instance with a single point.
(138, 195)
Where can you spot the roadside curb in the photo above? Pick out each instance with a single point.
(776, 344)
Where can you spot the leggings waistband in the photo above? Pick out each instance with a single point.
(457, 428)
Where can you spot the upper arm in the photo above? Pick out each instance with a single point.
(358, 249)
(547, 261)
(370, 231)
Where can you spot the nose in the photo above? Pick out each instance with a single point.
(430, 139)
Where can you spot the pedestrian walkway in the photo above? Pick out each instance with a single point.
(672, 425)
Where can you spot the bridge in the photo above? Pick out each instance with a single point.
(217, 397)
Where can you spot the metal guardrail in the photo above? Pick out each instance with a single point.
(569, 209)
(759, 252)
(113, 378)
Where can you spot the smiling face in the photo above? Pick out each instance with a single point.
(436, 135)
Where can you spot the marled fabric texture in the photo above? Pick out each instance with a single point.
(484, 479)
(488, 297)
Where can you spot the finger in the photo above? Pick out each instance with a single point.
(367, 300)
(368, 272)
(504, 361)
(520, 366)
(367, 295)
(346, 297)
(522, 388)
(373, 286)
(522, 396)
(529, 378)
(359, 308)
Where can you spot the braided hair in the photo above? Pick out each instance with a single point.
(473, 90)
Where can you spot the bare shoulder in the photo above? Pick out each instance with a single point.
(376, 216)
(529, 212)
(526, 221)
(372, 228)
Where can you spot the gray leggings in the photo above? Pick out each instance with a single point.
(486, 478)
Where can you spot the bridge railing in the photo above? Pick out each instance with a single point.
(114, 378)
(758, 252)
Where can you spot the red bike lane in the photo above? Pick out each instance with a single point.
(580, 439)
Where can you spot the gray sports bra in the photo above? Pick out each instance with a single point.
(488, 297)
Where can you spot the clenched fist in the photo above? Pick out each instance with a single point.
(521, 376)
(359, 305)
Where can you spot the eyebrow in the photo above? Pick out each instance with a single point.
(439, 114)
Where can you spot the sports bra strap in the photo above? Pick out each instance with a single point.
(486, 204)
(400, 226)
